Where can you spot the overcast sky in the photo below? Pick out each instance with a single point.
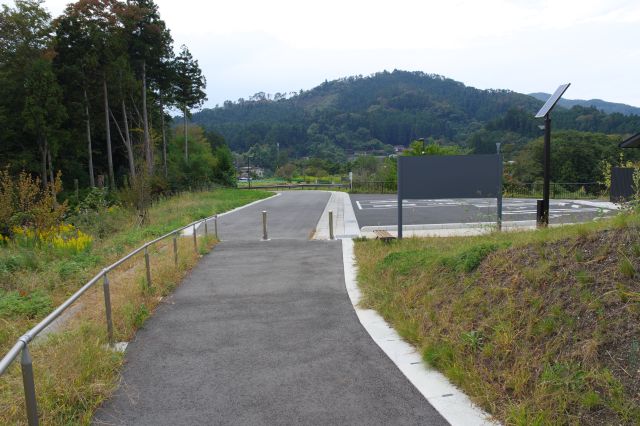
(249, 46)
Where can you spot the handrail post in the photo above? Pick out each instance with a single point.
(195, 239)
(331, 224)
(175, 249)
(215, 226)
(107, 308)
(264, 226)
(26, 365)
(148, 265)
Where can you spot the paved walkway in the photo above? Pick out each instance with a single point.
(263, 333)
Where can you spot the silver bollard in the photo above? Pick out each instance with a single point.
(148, 265)
(107, 308)
(29, 386)
(175, 249)
(331, 224)
(264, 226)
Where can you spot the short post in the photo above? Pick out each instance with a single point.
(175, 249)
(331, 224)
(215, 226)
(206, 230)
(195, 239)
(107, 307)
(148, 265)
(29, 386)
(499, 191)
(264, 226)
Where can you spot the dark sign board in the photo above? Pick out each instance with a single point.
(621, 184)
(449, 176)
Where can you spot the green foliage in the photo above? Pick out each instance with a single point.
(29, 305)
(201, 166)
(418, 148)
(470, 258)
(575, 157)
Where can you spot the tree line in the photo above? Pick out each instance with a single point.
(89, 93)
(371, 114)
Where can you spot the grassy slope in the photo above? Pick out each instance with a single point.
(537, 327)
(74, 371)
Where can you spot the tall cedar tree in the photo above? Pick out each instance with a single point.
(189, 90)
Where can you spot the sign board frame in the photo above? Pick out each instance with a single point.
(449, 176)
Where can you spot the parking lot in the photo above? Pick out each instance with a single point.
(381, 210)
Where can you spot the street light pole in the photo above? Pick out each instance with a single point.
(542, 207)
(547, 171)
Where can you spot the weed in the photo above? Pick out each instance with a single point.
(31, 305)
(469, 259)
(473, 339)
(626, 266)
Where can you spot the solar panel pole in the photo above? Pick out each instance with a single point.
(399, 200)
(544, 220)
(542, 214)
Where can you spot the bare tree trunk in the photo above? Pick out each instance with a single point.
(186, 142)
(127, 134)
(125, 140)
(164, 138)
(112, 179)
(145, 121)
(43, 162)
(92, 180)
(51, 179)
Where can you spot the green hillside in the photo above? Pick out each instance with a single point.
(376, 112)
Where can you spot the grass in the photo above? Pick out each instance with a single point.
(74, 369)
(537, 327)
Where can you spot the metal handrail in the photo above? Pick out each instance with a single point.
(21, 345)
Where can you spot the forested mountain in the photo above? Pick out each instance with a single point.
(392, 108)
(604, 106)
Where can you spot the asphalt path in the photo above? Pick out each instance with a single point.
(263, 333)
(381, 210)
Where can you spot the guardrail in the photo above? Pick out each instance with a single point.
(22, 345)
(298, 186)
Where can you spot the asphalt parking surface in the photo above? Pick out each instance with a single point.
(381, 210)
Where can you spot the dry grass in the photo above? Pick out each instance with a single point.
(537, 327)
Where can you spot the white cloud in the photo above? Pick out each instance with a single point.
(247, 46)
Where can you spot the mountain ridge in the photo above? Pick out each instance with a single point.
(602, 105)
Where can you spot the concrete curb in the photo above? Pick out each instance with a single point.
(448, 400)
(345, 224)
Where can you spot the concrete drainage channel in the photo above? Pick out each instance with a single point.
(448, 400)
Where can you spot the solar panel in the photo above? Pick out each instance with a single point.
(551, 102)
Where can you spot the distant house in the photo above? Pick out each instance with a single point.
(243, 172)
(399, 149)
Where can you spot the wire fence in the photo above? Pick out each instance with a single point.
(558, 190)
